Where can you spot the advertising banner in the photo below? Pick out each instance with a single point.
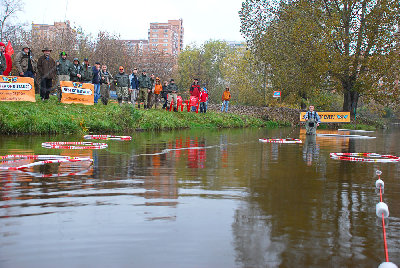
(15, 88)
(75, 92)
(331, 117)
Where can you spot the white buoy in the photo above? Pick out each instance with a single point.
(378, 172)
(382, 208)
(379, 183)
(387, 265)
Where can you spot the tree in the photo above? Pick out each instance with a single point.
(8, 8)
(340, 41)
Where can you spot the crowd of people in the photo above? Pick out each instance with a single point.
(134, 88)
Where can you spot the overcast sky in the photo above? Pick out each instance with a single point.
(202, 20)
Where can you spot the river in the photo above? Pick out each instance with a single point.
(200, 198)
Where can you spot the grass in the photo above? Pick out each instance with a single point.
(52, 117)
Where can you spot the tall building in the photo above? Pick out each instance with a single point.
(52, 31)
(166, 37)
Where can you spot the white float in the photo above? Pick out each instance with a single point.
(382, 208)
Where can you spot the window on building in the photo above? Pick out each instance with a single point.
(155, 40)
(165, 45)
(165, 40)
(155, 30)
(165, 49)
(154, 45)
(165, 35)
(155, 35)
(165, 31)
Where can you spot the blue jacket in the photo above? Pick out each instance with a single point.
(96, 75)
(134, 82)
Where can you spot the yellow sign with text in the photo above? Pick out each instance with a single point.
(15, 88)
(330, 117)
(75, 92)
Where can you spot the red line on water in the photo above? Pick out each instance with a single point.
(384, 230)
(384, 239)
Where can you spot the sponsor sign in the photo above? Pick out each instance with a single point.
(277, 94)
(75, 92)
(330, 117)
(15, 88)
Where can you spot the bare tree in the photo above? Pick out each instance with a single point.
(7, 9)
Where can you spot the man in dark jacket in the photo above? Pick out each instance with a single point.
(25, 63)
(122, 85)
(76, 71)
(144, 89)
(64, 67)
(173, 94)
(3, 64)
(87, 74)
(47, 72)
(105, 83)
(96, 81)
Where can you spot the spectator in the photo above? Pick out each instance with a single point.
(3, 51)
(64, 67)
(195, 91)
(144, 89)
(173, 94)
(105, 83)
(164, 94)
(47, 72)
(206, 91)
(76, 71)
(203, 101)
(25, 63)
(134, 86)
(226, 96)
(122, 85)
(157, 91)
(96, 81)
(87, 74)
(3, 63)
(151, 92)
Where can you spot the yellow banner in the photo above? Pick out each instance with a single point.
(15, 88)
(330, 117)
(75, 92)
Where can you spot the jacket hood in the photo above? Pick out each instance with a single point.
(25, 45)
(76, 59)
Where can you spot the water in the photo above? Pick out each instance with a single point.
(200, 199)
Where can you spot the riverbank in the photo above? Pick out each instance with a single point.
(52, 117)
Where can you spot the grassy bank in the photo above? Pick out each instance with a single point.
(57, 118)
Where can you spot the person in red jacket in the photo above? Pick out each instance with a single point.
(5, 61)
(195, 91)
(203, 101)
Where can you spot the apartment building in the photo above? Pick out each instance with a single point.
(166, 37)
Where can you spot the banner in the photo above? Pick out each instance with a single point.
(15, 88)
(75, 92)
(277, 94)
(330, 117)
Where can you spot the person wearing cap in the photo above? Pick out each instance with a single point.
(47, 71)
(173, 94)
(64, 68)
(164, 94)
(25, 63)
(76, 71)
(144, 89)
(122, 85)
(87, 74)
(134, 90)
(105, 83)
(96, 81)
(3, 63)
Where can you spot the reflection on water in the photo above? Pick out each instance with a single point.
(199, 199)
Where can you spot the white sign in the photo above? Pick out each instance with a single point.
(74, 90)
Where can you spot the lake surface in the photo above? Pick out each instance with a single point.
(204, 198)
